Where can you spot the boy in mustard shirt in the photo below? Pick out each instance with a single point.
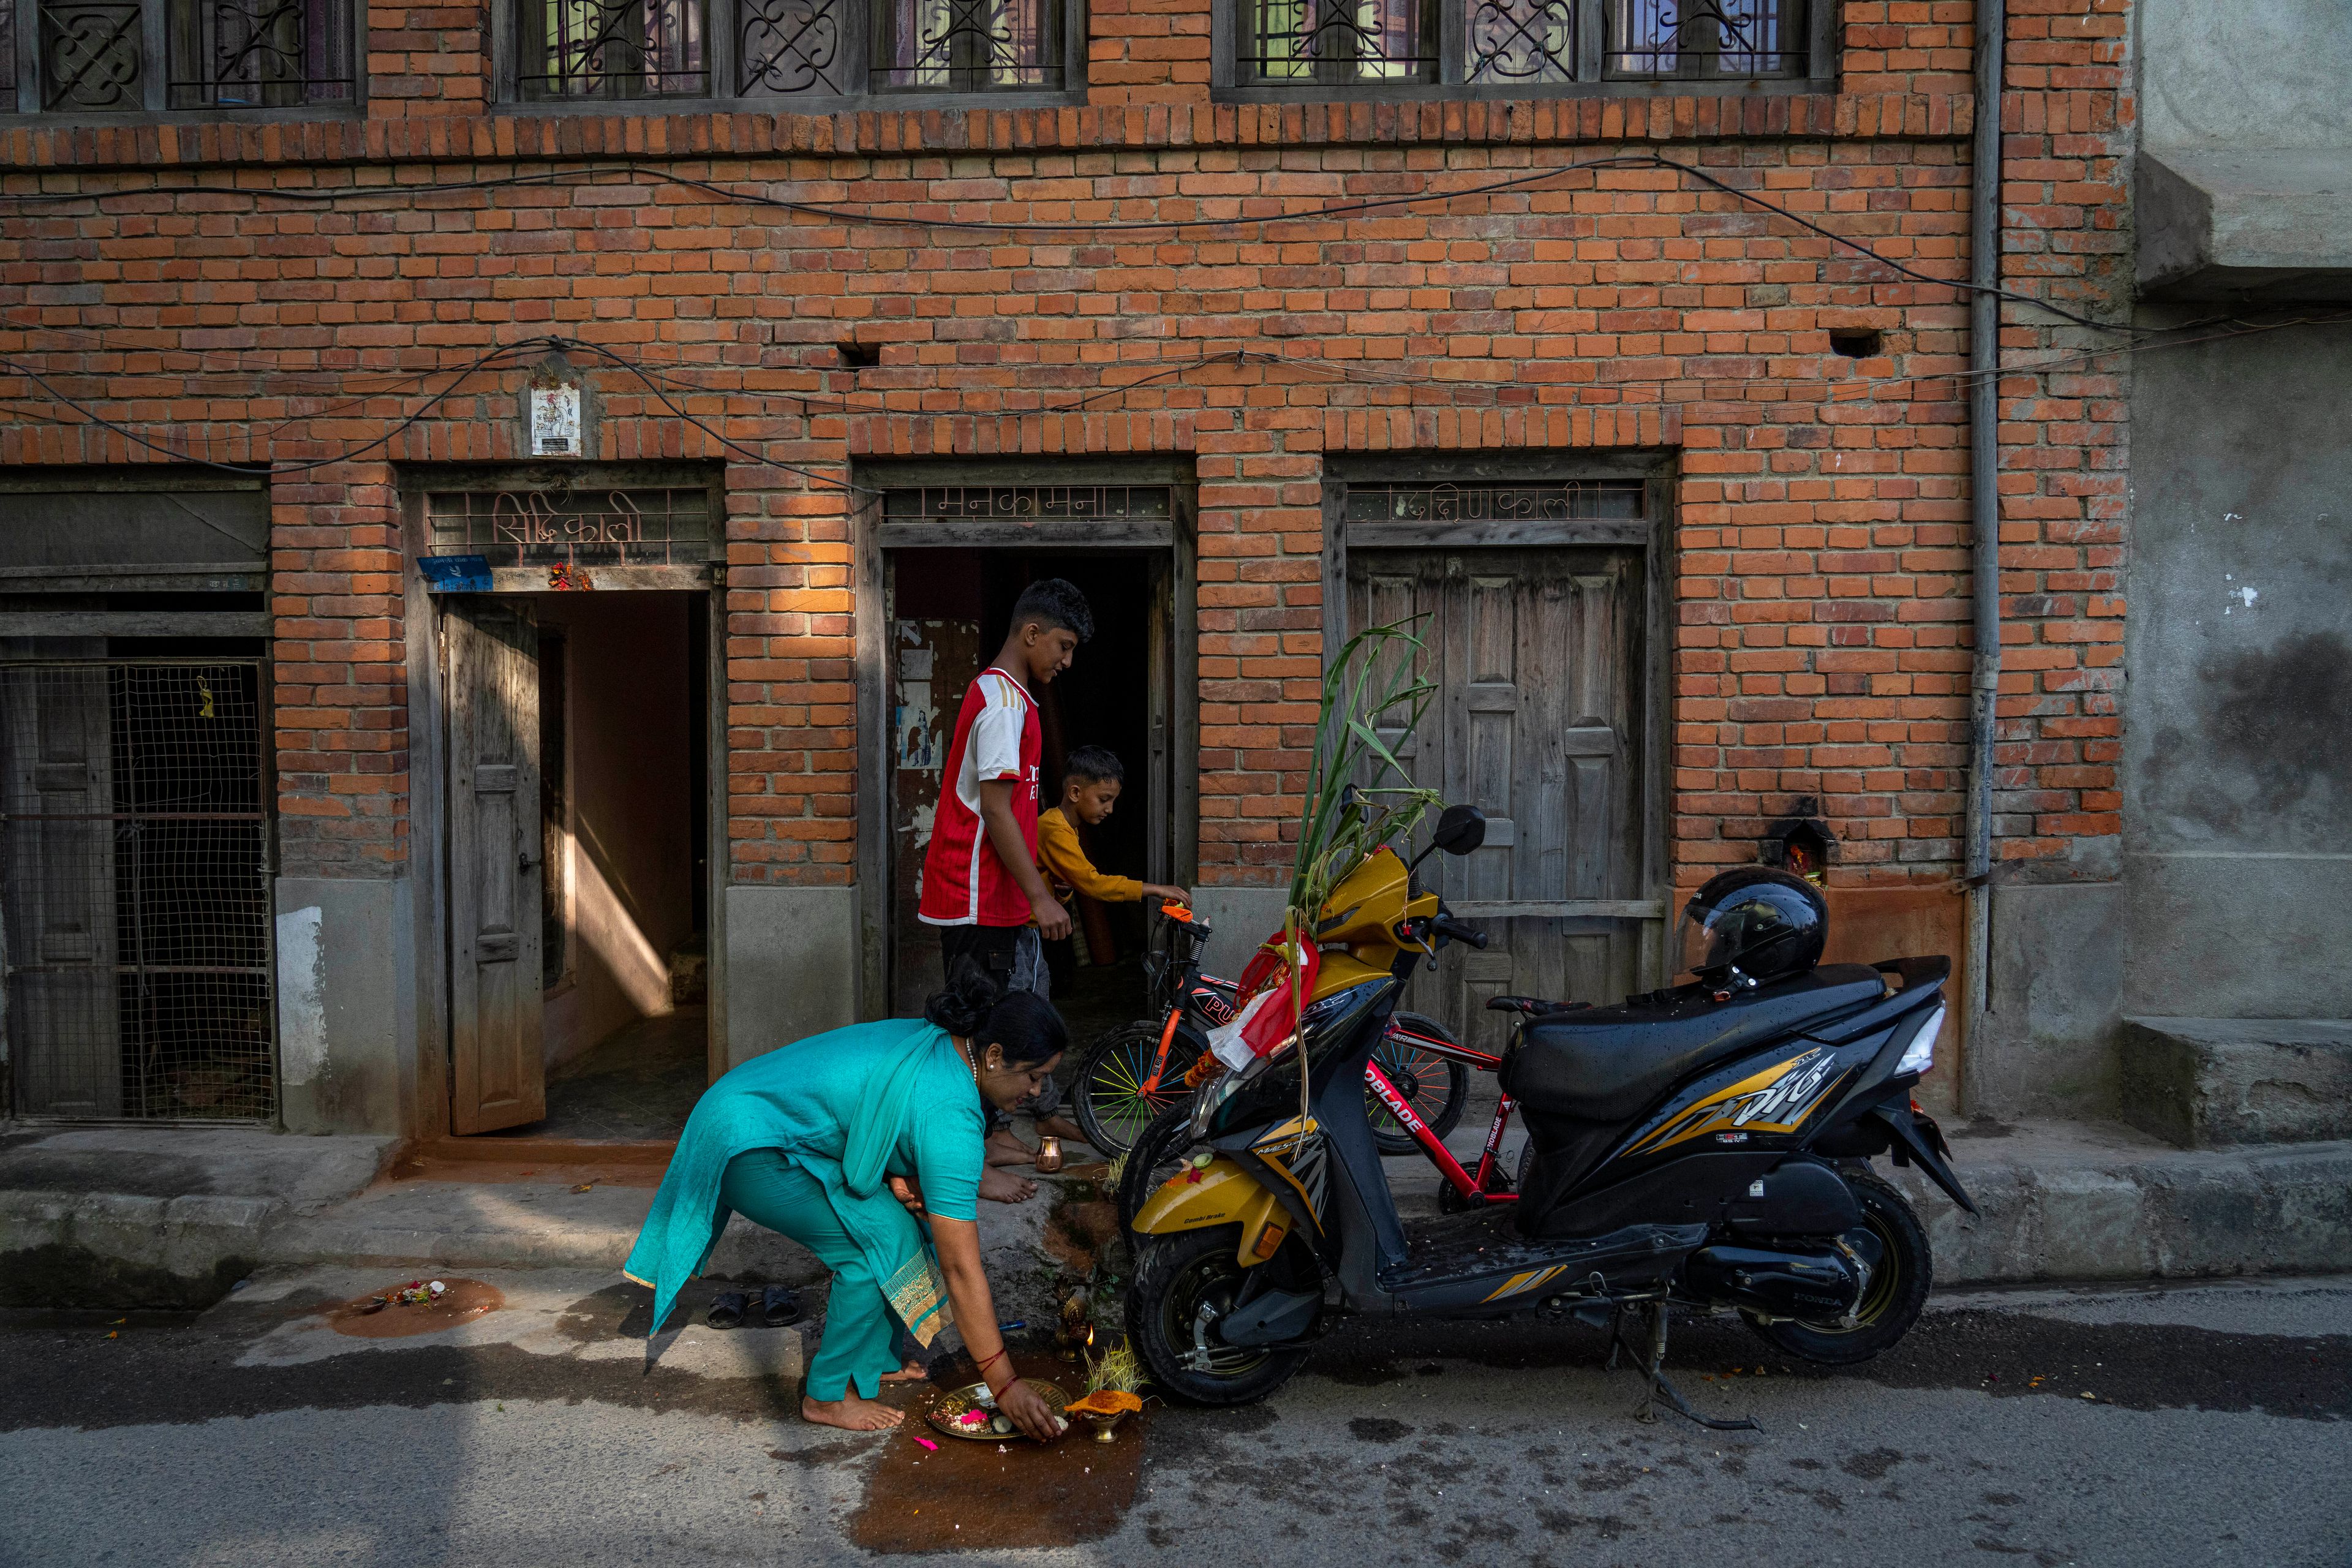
(1091, 780)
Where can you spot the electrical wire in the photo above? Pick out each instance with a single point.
(880, 218)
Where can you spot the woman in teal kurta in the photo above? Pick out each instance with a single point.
(856, 1143)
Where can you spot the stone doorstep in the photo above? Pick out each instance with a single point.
(2060, 1202)
(2216, 1082)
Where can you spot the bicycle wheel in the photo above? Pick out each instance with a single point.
(1432, 1085)
(1112, 1103)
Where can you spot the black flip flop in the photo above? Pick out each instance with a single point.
(727, 1309)
(780, 1306)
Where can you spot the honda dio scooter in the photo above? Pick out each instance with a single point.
(1705, 1147)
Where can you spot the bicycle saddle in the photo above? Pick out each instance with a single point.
(1530, 1007)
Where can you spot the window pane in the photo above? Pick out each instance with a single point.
(1522, 41)
(967, 46)
(1707, 37)
(791, 45)
(254, 54)
(1342, 40)
(8, 53)
(93, 56)
(614, 48)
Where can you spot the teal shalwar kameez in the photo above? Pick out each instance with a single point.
(801, 1141)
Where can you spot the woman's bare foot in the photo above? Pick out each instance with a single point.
(1006, 1148)
(1062, 1127)
(911, 1373)
(851, 1414)
(1002, 1186)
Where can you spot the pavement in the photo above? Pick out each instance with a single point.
(2138, 1424)
(172, 1217)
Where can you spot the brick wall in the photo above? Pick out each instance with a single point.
(1821, 635)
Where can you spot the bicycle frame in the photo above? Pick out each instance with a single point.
(1471, 1186)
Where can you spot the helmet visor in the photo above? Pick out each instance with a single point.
(1715, 938)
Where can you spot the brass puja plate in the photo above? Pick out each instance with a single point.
(945, 1410)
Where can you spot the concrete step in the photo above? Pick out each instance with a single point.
(2204, 1083)
(2060, 1202)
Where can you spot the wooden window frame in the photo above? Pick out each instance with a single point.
(159, 20)
(1229, 83)
(850, 88)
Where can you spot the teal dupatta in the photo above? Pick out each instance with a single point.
(740, 1113)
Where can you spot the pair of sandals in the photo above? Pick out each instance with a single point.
(779, 1308)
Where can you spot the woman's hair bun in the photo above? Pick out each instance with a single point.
(964, 1005)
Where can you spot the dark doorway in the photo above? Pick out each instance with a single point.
(950, 609)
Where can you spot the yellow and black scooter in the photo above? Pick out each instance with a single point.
(1704, 1146)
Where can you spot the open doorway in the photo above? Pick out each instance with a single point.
(579, 735)
(949, 610)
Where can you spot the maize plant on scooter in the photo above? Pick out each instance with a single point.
(1706, 1146)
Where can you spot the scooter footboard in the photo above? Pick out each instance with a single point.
(1474, 1269)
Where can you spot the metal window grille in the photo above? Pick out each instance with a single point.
(790, 47)
(638, 526)
(614, 48)
(252, 54)
(1687, 38)
(1341, 41)
(135, 890)
(967, 46)
(1521, 40)
(1572, 501)
(1076, 502)
(93, 56)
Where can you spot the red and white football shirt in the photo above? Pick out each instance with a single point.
(997, 736)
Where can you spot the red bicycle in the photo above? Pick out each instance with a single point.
(1136, 1072)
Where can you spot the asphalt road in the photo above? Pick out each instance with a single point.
(2215, 1431)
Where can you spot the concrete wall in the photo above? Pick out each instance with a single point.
(631, 850)
(2238, 750)
(793, 962)
(346, 1017)
(2244, 75)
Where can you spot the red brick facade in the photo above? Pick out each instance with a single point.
(1821, 639)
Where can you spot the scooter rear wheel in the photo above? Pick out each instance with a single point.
(1183, 1284)
(1890, 1302)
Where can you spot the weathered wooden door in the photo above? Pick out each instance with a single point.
(58, 913)
(497, 1076)
(1539, 722)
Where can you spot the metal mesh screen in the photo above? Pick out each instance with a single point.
(134, 890)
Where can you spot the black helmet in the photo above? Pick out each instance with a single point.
(1755, 924)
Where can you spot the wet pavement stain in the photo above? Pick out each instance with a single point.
(381, 1315)
(974, 1496)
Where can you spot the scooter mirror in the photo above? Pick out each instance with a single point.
(1460, 830)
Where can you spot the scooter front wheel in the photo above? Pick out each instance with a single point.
(1184, 1284)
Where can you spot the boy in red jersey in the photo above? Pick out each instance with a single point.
(981, 886)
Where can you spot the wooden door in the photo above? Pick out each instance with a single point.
(1538, 720)
(495, 863)
(58, 915)
(932, 663)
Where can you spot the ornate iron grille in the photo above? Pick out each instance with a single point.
(573, 527)
(791, 45)
(93, 56)
(967, 46)
(613, 48)
(1522, 41)
(1342, 40)
(252, 53)
(1072, 502)
(1575, 500)
(135, 880)
(1707, 37)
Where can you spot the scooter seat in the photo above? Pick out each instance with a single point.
(1608, 1063)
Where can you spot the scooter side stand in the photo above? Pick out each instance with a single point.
(1656, 1386)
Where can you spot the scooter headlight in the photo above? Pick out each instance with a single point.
(1920, 1054)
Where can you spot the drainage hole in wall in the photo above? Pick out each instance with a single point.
(1860, 343)
(860, 356)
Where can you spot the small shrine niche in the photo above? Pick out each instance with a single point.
(1801, 843)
